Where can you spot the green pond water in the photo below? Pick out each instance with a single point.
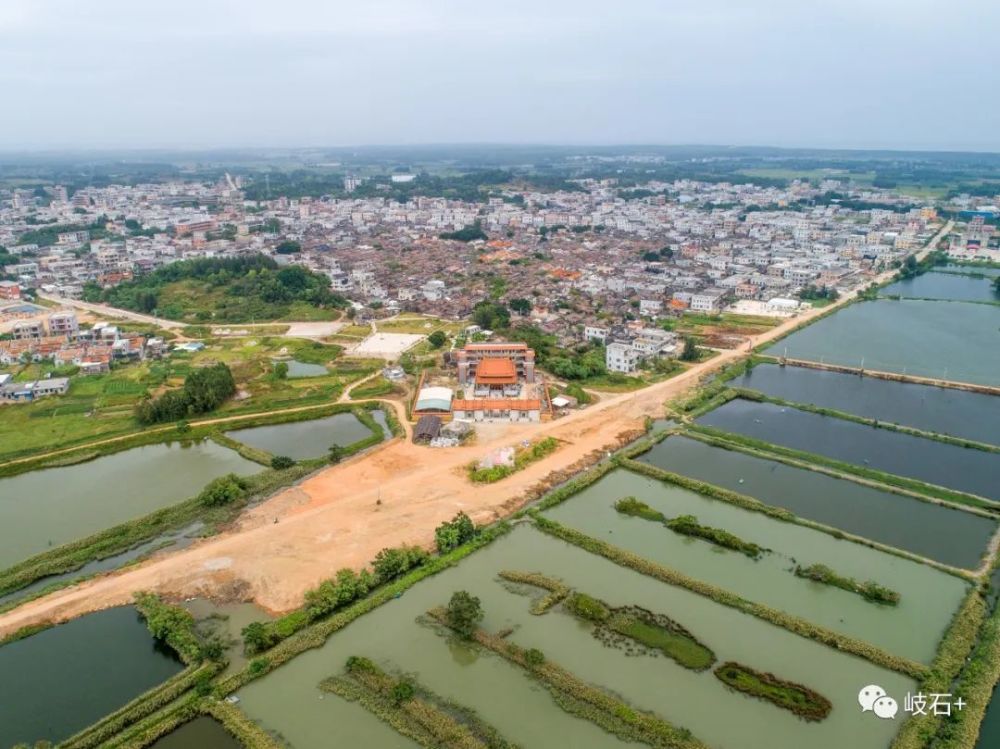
(46, 508)
(200, 733)
(947, 286)
(911, 629)
(289, 701)
(989, 730)
(971, 270)
(304, 439)
(61, 680)
(950, 536)
(958, 413)
(952, 466)
(948, 340)
(304, 369)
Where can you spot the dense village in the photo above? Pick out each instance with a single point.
(598, 263)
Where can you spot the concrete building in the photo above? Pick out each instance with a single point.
(473, 354)
(621, 357)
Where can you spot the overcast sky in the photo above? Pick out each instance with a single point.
(205, 73)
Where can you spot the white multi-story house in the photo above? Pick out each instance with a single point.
(708, 300)
(594, 333)
(621, 357)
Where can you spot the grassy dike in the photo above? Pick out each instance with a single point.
(584, 700)
(778, 513)
(919, 731)
(126, 536)
(814, 462)
(413, 710)
(176, 627)
(193, 430)
(557, 589)
(793, 624)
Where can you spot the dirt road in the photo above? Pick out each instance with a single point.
(302, 535)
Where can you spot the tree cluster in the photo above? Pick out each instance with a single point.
(204, 390)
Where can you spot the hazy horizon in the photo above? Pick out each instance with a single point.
(115, 75)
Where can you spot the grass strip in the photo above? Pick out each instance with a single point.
(557, 589)
(413, 710)
(919, 730)
(523, 457)
(688, 525)
(142, 706)
(788, 695)
(239, 724)
(869, 589)
(585, 700)
(793, 624)
(975, 685)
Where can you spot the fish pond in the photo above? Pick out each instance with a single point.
(911, 629)
(941, 533)
(955, 341)
(959, 413)
(62, 679)
(52, 506)
(288, 700)
(957, 287)
(200, 733)
(297, 369)
(963, 468)
(302, 440)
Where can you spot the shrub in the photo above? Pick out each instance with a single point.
(170, 624)
(281, 462)
(259, 666)
(464, 613)
(454, 533)
(534, 657)
(391, 563)
(403, 691)
(257, 637)
(336, 453)
(223, 490)
(588, 607)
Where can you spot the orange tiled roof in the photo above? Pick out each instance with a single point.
(499, 371)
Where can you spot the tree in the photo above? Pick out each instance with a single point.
(464, 613)
(280, 370)
(288, 247)
(520, 305)
(336, 453)
(281, 462)
(690, 352)
(454, 533)
(437, 338)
